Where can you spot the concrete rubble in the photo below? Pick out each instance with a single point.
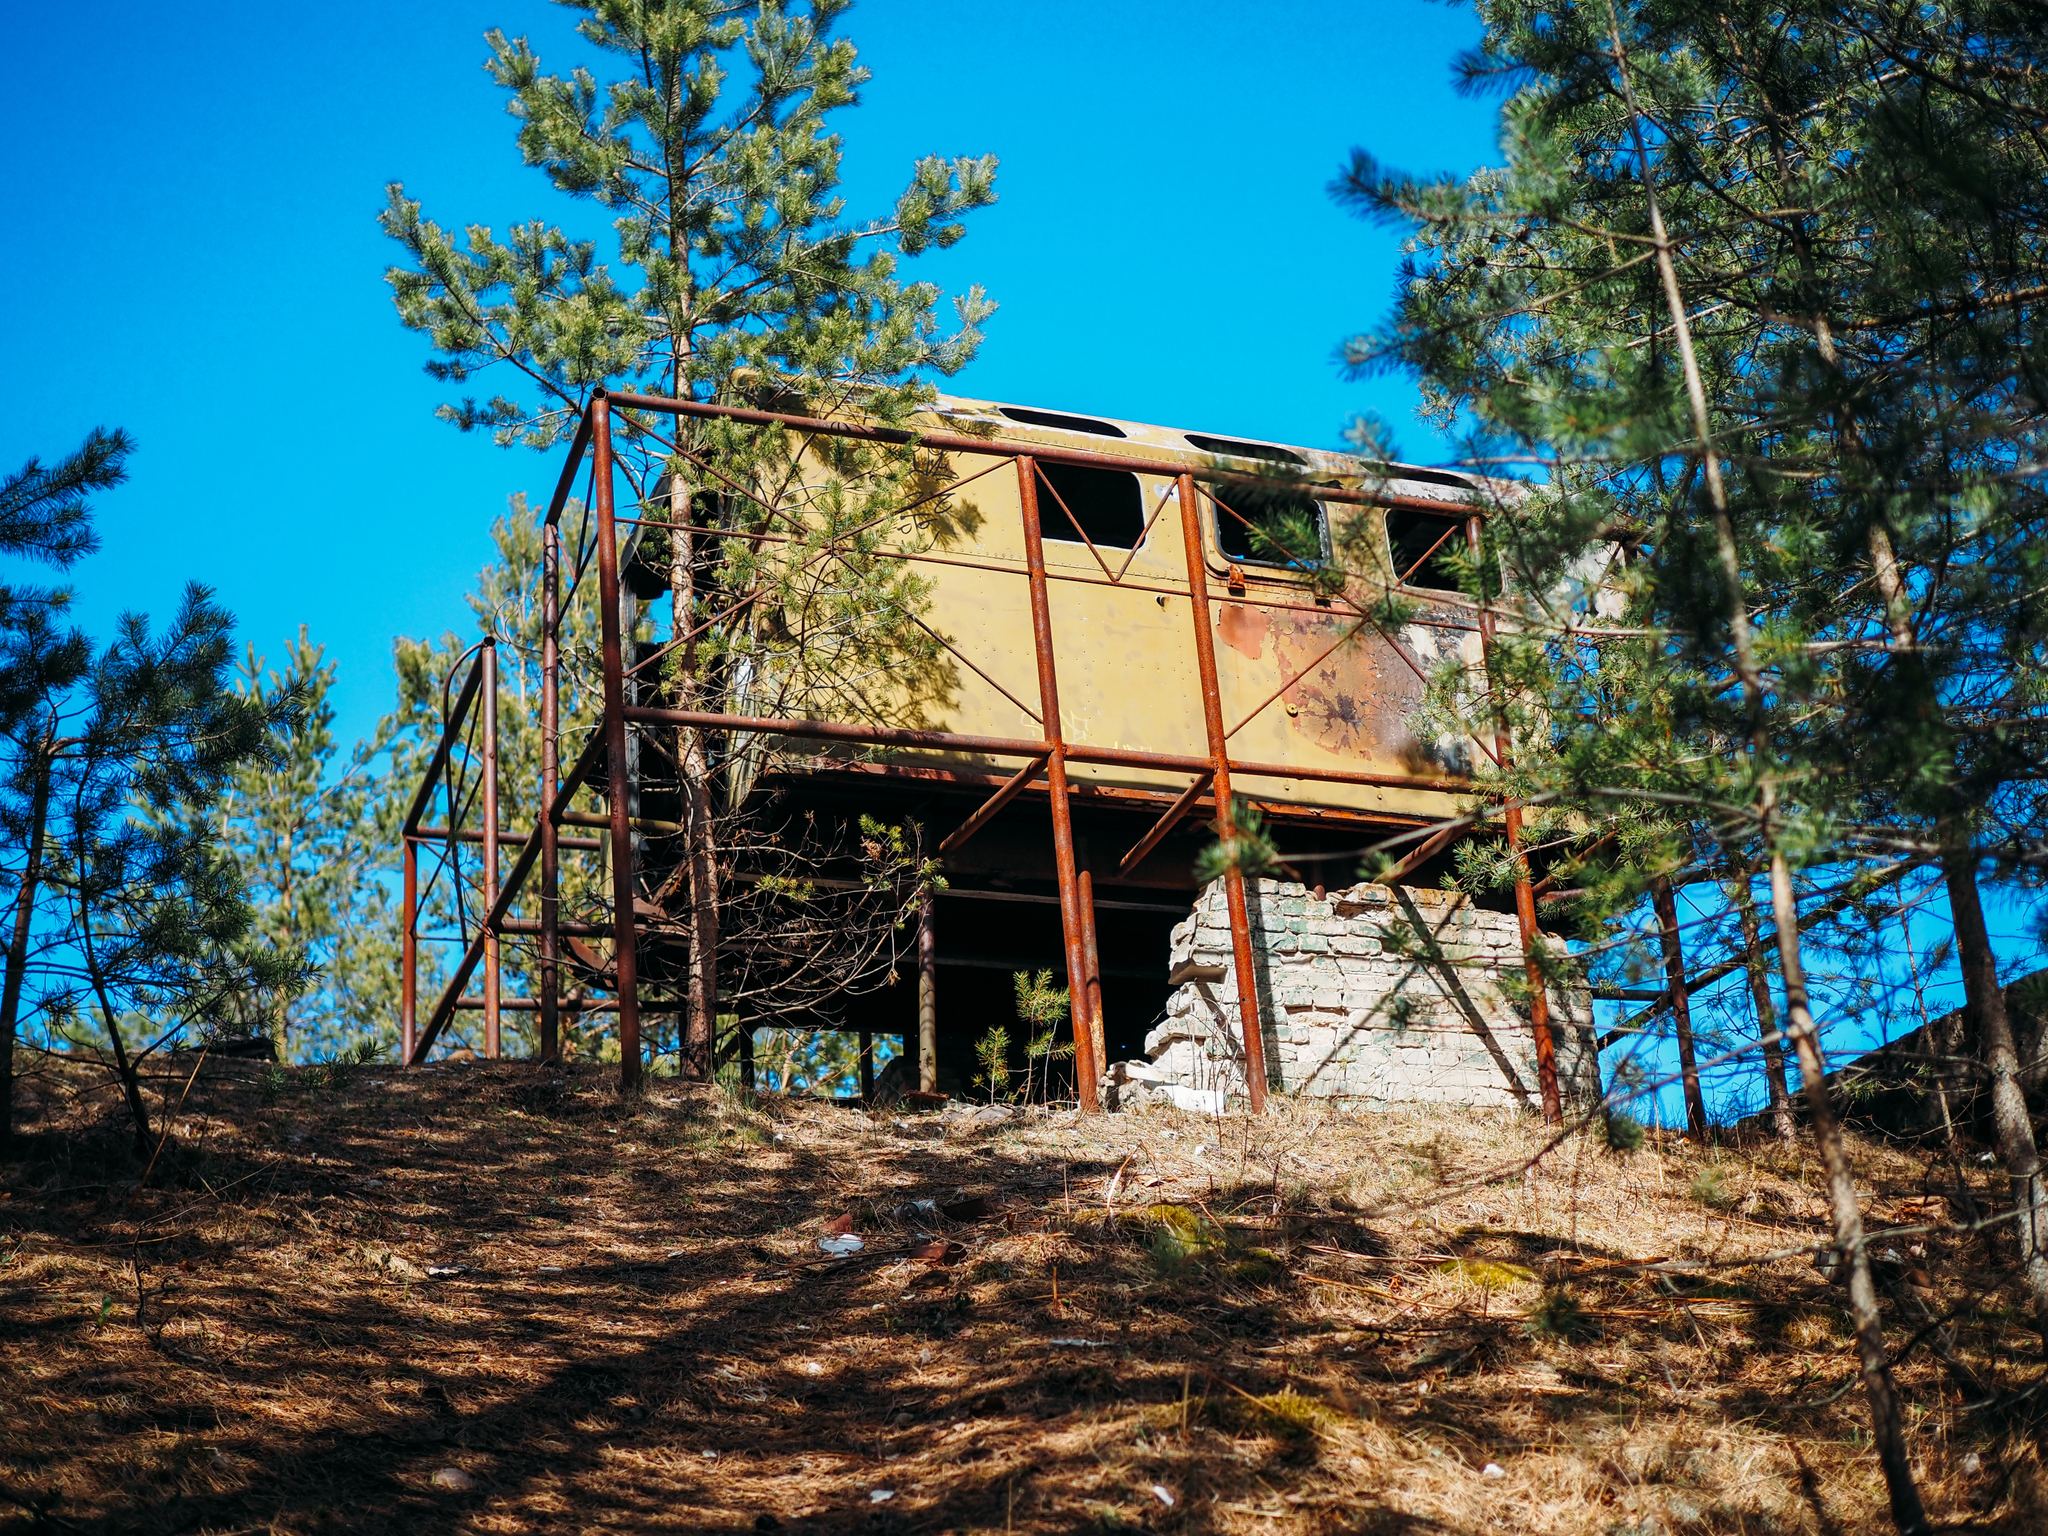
(1375, 995)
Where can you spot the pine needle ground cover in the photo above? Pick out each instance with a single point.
(498, 1298)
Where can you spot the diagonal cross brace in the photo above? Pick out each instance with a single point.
(445, 1009)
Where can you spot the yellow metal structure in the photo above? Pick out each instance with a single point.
(1306, 681)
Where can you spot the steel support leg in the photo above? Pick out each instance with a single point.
(409, 963)
(1525, 893)
(1250, 1026)
(493, 1042)
(615, 744)
(1086, 1069)
(1091, 955)
(550, 781)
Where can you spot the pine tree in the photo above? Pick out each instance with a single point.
(299, 827)
(156, 922)
(45, 516)
(743, 283)
(1754, 291)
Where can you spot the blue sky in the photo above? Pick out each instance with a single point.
(191, 196)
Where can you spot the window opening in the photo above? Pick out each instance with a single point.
(1239, 505)
(1231, 445)
(1061, 423)
(1422, 545)
(1105, 502)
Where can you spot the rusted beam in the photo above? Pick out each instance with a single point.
(409, 962)
(492, 1037)
(573, 1004)
(521, 868)
(567, 480)
(443, 835)
(551, 773)
(1525, 896)
(1086, 1069)
(1018, 746)
(956, 442)
(1423, 852)
(614, 736)
(1091, 952)
(985, 813)
(1166, 823)
(1250, 1026)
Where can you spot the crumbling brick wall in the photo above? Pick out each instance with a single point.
(1386, 996)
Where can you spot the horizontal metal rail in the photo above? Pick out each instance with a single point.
(570, 1005)
(1018, 746)
(1044, 453)
(463, 835)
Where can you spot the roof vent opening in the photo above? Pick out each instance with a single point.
(1061, 423)
(1425, 476)
(1242, 450)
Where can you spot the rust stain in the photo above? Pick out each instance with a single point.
(1356, 700)
(1243, 630)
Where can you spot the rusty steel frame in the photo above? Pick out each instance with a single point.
(1048, 755)
(1525, 893)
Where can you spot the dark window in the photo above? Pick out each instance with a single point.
(1240, 450)
(1422, 546)
(1105, 502)
(1293, 530)
(1062, 423)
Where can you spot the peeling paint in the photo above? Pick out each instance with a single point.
(1243, 630)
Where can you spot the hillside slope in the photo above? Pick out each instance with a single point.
(496, 1298)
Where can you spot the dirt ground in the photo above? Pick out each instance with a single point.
(499, 1298)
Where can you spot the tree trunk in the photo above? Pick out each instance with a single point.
(125, 1071)
(2010, 1121)
(1887, 1430)
(17, 948)
(700, 1024)
(1766, 1015)
(1681, 1006)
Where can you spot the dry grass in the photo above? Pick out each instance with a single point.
(1303, 1324)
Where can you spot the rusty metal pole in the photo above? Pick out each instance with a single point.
(1681, 1005)
(1091, 954)
(550, 781)
(492, 1039)
(1525, 893)
(1086, 1068)
(927, 996)
(615, 744)
(1250, 1025)
(409, 964)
